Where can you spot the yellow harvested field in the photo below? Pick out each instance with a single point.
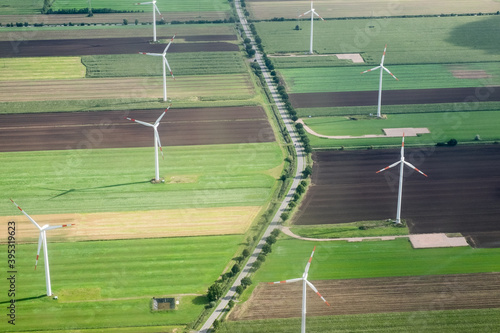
(185, 87)
(139, 224)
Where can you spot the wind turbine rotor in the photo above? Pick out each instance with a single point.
(369, 70)
(287, 281)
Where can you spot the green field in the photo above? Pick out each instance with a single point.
(163, 5)
(342, 260)
(443, 126)
(189, 63)
(410, 40)
(343, 230)
(428, 76)
(43, 68)
(20, 7)
(78, 180)
(110, 283)
(484, 320)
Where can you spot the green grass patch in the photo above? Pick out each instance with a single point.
(482, 320)
(78, 180)
(342, 260)
(189, 63)
(462, 126)
(20, 7)
(42, 68)
(428, 76)
(118, 104)
(122, 276)
(410, 40)
(354, 229)
(163, 5)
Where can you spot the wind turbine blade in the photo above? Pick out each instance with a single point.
(309, 262)
(414, 168)
(166, 49)
(151, 54)
(140, 122)
(388, 167)
(159, 143)
(29, 217)
(388, 71)
(168, 66)
(143, 3)
(317, 292)
(39, 247)
(156, 8)
(58, 226)
(314, 12)
(369, 70)
(161, 116)
(305, 13)
(287, 281)
(383, 56)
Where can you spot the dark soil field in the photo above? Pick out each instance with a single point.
(80, 47)
(461, 194)
(395, 97)
(374, 295)
(109, 129)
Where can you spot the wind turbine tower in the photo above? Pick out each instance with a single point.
(313, 12)
(155, 9)
(305, 283)
(42, 241)
(401, 162)
(382, 69)
(164, 62)
(157, 142)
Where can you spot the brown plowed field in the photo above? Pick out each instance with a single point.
(109, 129)
(461, 194)
(80, 47)
(395, 97)
(374, 295)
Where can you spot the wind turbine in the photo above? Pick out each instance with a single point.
(157, 142)
(155, 9)
(164, 62)
(381, 66)
(305, 283)
(401, 162)
(43, 240)
(313, 12)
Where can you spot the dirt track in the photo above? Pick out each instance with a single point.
(395, 97)
(461, 194)
(374, 295)
(80, 47)
(109, 129)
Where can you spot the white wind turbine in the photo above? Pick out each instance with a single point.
(43, 240)
(382, 67)
(164, 62)
(157, 142)
(305, 283)
(401, 162)
(313, 12)
(155, 9)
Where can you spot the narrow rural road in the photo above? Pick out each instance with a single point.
(301, 164)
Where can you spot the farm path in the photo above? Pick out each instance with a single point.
(301, 164)
(288, 232)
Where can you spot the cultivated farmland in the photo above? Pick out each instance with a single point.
(452, 199)
(266, 10)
